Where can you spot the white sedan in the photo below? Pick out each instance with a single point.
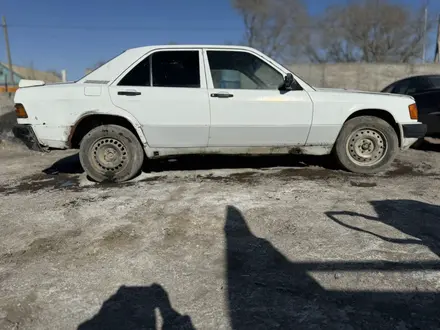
(162, 101)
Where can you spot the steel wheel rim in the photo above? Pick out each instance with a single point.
(367, 147)
(109, 155)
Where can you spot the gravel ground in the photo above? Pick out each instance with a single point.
(219, 243)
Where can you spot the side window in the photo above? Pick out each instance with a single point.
(138, 76)
(422, 84)
(417, 85)
(176, 69)
(434, 81)
(241, 70)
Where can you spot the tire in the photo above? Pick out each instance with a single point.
(111, 153)
(366, 145)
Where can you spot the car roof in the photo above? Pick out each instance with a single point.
(419, 76)
(147, 48)
(412, 77)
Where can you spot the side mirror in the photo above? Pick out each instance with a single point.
(289, 82)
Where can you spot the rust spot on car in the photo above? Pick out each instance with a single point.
(126, 137)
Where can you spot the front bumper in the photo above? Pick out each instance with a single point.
(415, 131)
(26, 134)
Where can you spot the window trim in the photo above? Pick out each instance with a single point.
(156, 50)
(210, 82)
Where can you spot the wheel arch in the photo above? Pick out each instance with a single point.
(379, 113)
(93, 119)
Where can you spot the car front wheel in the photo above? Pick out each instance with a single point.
(366, 145)
(111, 153)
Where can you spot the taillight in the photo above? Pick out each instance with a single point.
(413, 112)
(20, 111)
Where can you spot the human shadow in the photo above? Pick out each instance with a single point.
(133, 308)
(413, 218)
(265, 290)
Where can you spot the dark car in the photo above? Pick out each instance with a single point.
(426, 91)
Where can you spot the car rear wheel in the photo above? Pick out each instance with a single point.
(111, 153)
(366, 145)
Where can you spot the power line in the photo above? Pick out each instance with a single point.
(113, 28)
(153, 28)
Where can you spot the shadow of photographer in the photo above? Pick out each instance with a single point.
(135, 308)
(268, 291)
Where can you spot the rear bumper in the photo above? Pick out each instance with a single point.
(26, 134)
(415, 131)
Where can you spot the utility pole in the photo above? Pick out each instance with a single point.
(8, 51)
(437, 44)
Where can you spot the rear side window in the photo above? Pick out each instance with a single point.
(176, 69)
(138, 76)
(166, 69)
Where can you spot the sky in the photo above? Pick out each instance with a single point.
(74, 35)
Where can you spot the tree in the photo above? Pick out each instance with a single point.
(55, 73)
(273, 26)
(95, 66)
(367, 31)
(98, 64)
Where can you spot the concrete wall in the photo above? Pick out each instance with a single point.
(361, 76)
(7, 116)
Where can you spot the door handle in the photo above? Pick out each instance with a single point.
(222, 95)
(129, 93)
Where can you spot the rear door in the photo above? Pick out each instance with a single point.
(166, 92)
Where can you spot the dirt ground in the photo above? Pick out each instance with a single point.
(219, 243)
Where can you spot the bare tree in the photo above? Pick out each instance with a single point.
(98, 64)
(95, 66)
(273, 26)
(56, 73)
(367, 31)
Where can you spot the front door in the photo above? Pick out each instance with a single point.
(247, 107)
(166, 93)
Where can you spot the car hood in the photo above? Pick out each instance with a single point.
(351, 91)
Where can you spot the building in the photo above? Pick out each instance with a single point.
(24, 73)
